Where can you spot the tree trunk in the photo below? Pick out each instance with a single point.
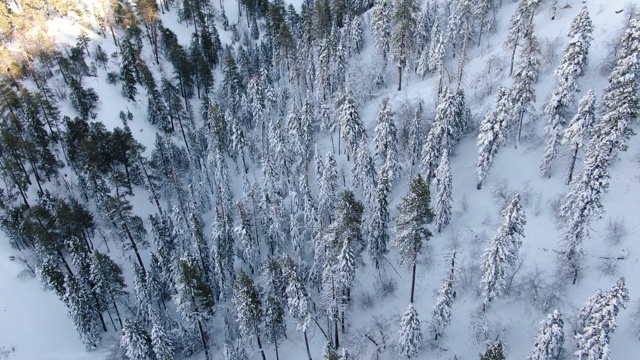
(133, 242)
(399, 77)
(413, 280)
(203, 338)
(115, 306)
(306, 343)
(572, 165)
(260, 347)
(336, 336)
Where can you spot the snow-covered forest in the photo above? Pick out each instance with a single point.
(319, 179)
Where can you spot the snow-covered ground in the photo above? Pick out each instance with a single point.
(34, 324)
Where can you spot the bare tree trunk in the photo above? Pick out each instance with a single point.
(413, 280)
(306, 343)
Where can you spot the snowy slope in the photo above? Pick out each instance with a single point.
(34, 323)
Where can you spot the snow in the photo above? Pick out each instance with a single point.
(34, 323)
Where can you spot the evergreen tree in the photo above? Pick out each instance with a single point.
(350, 124)
(550, 339)
(501, 256)
(298, 301)
(135, 340)
(364, 172)
(492, 135)
(579, 129)
(328, 184)
(82, 312)
(386, 140)
(598, 322)
(249, 309)
(493, 352)
(161, 343)
(378, 234)
(523, 92)
(521, 22)
(442, 208)
(381, 27)
(441, 312)
(574, 61)
(402, 41)
(441, 136)
(411, 225)
(410, 340)
(108, 281)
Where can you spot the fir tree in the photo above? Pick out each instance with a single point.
(522, 92)
(135, 340)
(550, 339)
(493, 352)
(161, 343)
(350, 124)
(386, 140)
(410, 340)
(441, 313)
(381, 27)
(82, 312)
(492, 135)
(328, 184)
(598, 321)
(441, 136)
(298, 301)
(442, 208)
(574, 61)
(579, 129)
(402, 41)
(411, 225)
(364, 172)
(378, 234)
(501, 256)
(249, 309)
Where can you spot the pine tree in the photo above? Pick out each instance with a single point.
(350, 124)
(442, 208)
(441, 136)
(249, 309)
(135, 340)
(441, 313)
(550, 339)
(386, 140)
(493, 352)
(161, 344)
(502, 254)
(574, 61)
(579, 129)
(329, 352)
(381, 27)
(328, 184)
(402, 41)
(364, 172)
(82, 312)
(411, 225)
(523, 92)
(492, 135)
(598, 321)
(108, 281)
(378, 235)
(410, 340)
(520, 22)
(298, 301)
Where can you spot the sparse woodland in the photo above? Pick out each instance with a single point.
(265, 180)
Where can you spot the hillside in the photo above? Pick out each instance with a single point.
(246, 180)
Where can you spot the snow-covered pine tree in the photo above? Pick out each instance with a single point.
(492, 135)
(579, 129)
(386, 138)
(135, 341)
(82, 312)
(194, 298)
(248, 309)
(594, 336)
(381, 27)
(523, 92)
(108, 281)
(574, 61)
(521, 20)
(298, 301)
(364, 172)
(350, 124)
(410, 339)
(378, 235)
(441, 313)
(402, 41)
(437, 52)
(275, 326)
(441, 136)
(620, 105)
(411, 226)
(245, 233)
(161, 343)
(550, 339)
(442, 208)
(328, 188)
(329, 352)
(502, 254)
(493, 352)
(143, 296)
